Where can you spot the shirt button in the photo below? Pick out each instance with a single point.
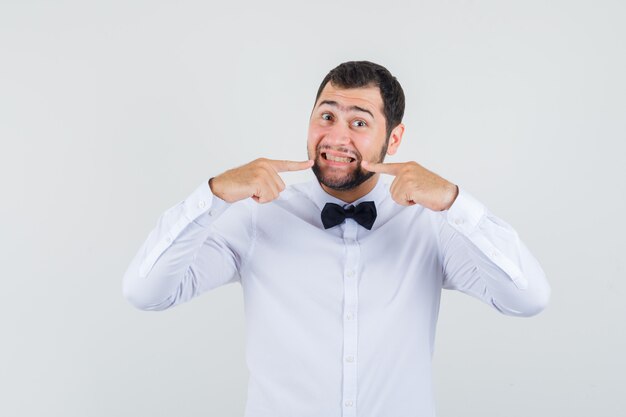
(350, 358)
(349, 316)
(494, 254)
(168, 239)
(350, 273)
(458, 221)
(201, 204)
(349, 403)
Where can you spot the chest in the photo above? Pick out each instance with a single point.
(393, 264)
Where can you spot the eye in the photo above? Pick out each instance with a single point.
(326, 116)
(359, 123)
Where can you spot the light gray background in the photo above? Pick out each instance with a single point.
(112, 112)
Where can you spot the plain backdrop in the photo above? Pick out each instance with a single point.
(113, 111)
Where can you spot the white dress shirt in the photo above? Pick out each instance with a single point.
(340, 322)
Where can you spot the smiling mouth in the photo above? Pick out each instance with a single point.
(332, 158)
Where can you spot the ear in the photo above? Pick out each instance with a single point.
(395, 138)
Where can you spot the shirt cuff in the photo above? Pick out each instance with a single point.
(465, 212)
(202, 206)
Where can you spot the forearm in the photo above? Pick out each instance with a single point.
(161, 273)
(484, 257)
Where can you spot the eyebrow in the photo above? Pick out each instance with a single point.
(335, 104)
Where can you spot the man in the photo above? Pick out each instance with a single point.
(341, 276)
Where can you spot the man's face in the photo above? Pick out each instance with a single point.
(347, 126)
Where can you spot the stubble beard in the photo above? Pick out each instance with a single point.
(350, 180)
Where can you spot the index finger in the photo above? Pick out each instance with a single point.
(391, 168)
(282, 165)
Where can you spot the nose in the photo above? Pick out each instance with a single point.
(338, 135)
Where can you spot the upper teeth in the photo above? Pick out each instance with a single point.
(337, 158)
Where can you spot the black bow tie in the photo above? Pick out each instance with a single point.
(364, 214)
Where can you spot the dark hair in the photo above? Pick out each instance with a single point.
(354, 74)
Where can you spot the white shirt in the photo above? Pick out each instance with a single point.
(340, 322)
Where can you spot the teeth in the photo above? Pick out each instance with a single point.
(337, 159)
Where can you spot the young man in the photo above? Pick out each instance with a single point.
(341, 276)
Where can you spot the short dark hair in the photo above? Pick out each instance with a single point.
(354, 74)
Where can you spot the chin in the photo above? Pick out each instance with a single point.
(347, 181)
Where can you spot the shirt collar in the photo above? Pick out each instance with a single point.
(321, 197)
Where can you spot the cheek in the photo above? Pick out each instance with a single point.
(313, 138)
(311, 143)
(366, 145)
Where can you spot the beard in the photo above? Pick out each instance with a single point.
(352, 179)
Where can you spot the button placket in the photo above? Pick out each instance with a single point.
(350, 337)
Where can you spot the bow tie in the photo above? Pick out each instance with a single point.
(363, 213)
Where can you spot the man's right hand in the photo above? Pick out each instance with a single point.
(258, 179)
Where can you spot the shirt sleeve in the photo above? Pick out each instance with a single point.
(483, 256)
(197, 245)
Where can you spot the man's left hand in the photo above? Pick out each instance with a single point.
(414, 184)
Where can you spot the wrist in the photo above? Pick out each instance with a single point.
(213, 187)
(454, 192)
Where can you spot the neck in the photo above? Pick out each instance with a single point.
(350, 196)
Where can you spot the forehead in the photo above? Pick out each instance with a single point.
(366, 97)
